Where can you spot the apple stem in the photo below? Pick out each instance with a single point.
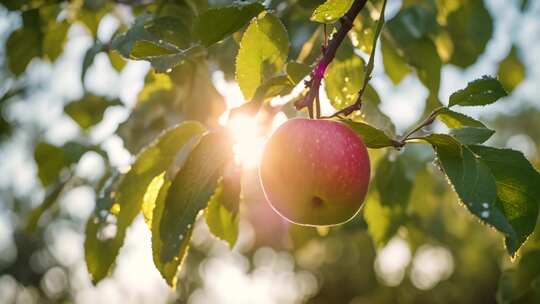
(329, 53)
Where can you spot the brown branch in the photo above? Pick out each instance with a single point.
(329, 53)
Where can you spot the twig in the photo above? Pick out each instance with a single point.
(329, 54)
(426, 122)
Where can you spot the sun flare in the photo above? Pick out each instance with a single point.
(248, 131)
(248, 140)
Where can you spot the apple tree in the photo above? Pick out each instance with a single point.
(340, 162)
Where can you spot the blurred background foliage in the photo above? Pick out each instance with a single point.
(74, 111)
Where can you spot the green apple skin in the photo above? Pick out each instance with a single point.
(315, 172)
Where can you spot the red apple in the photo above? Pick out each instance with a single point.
(315, 172)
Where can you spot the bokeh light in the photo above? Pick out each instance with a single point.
(431, 264)
(392, 261)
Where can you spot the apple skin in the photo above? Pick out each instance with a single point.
(315, 172)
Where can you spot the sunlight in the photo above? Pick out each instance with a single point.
(246, 130)
(248, 140)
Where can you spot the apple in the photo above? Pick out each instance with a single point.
(315, 172)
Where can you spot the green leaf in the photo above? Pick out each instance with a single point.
(372, 114)
(143, 49)
(216, 24)
(517, 190)
(151, 196)
(163, 57)
(263, 52)
(471, 135)
(511, 70)
(455, 120)
(185, 93)
(297, 71)
(117, 62)
(201, 100)
(152, 112)
(373, 138)
(394, 65)
(275, 86)
(100, 245)
(411, 24)
(496, 185)
(191, 190)
(343, 80)
(331, 11)
(409, 32)
(480, 92)
(89, 110)
(470, 28)
(383, 221)
(51, 159)
(392, 181)
(54, 39)
(472, 180)
(362, 32)
(21, 45)
(124, 42)
(170, 30)
(51, 196)
(170, 268)
(222, 212)
(106, 228)
(221, 222)
(465, 129)
(89, 57)
(423, 55)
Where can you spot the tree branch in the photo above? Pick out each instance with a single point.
(328, 55)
